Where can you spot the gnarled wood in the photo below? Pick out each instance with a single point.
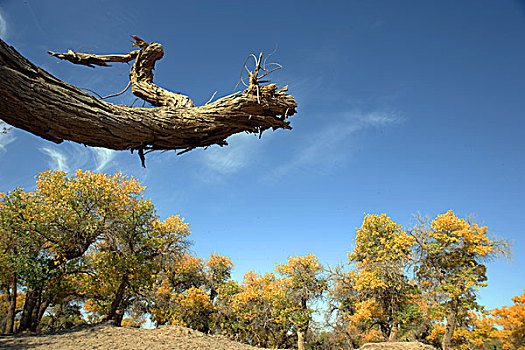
(34, 100)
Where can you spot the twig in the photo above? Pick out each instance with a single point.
(142, 158)
(211, 98)
(273, 70)
(120, 93)
(91, 91)
(186, 150)
(241, 79)
(269, 55)
(138, 42)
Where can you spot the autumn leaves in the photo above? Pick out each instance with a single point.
(417, 284)
(81, 238)
(90, 247)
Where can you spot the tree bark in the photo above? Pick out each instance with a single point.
(32, 302)
(393, 332)
(300, 339)
(11, 307)
(41, 311)
(116, 314)
(36, 101)
(33, 323)
(450, 327)
(303, 329)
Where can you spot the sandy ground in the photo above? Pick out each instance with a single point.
(109, 337)
(105, 336)
(397, 346)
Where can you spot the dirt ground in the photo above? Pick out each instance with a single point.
(397, 346)
(108, 337)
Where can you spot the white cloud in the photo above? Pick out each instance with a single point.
(239, 153)
(3, 26)
(70, 156)
(333, 143)
(103, 157)
(58, 160)
(5, 139)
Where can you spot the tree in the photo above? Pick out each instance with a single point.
(193, 308)
(70, 214)
(304, 282)
(182, 282)
(475, 331)
(177, 275)
(36, 101)
(23, 257)
(257, 311)
(342, 299)
(511, 323)
(451, 252)
(71, 230)
(381, 255)
(218, 271)
(122, 265)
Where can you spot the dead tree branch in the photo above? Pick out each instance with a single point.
(36, 101)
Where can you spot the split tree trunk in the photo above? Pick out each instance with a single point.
(30, 310)
(393, 332)
(35, 101)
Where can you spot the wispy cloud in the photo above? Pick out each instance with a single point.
(240, 152)
(5, 139)
(3, 26)
(103, 157)
(332, 144)
(68, 157)
(58, 160)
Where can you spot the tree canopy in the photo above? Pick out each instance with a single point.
(88, 247)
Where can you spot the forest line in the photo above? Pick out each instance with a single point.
(88, 247)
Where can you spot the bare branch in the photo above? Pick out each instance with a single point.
(118, 94)
(36, 101)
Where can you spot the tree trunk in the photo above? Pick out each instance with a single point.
(36, 101)
(450, 327)
(11, 306)
(393, 332)
(35, 313)
(116, 313)
(32, 301)
(301, 331)
(41, 310)
(213, 294)
(300, 339)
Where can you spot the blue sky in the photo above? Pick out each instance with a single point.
(404, 107)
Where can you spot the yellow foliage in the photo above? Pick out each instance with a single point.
(451, 230)
(511, 323)
(193, 299)
(192, 308)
